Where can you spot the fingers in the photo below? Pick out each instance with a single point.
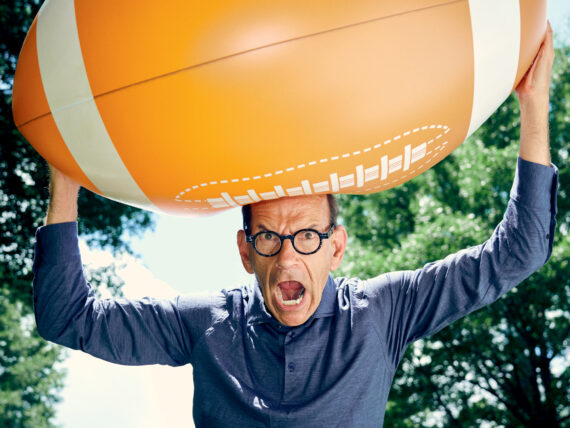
(52, 169)
(529, 78)
(545, 54)
(547, 44)
(537, 77)
(543, 62)
(58, 178)
(547, 39)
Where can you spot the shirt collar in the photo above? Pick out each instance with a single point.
(257, 313)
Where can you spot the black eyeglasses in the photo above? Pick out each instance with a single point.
(305, 241)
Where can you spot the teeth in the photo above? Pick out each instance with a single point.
(290, 302)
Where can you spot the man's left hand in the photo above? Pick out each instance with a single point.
(533, 93)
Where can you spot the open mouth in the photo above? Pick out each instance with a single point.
(290, 293)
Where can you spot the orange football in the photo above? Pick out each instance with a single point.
(191, 107)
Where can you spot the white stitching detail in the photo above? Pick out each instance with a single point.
(336, 157)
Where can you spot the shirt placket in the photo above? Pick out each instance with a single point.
(291, 376)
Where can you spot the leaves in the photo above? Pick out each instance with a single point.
(28, 379)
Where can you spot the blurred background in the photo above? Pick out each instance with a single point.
(506, 365)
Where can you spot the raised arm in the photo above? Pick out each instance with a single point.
(414, 304)
(63, 192)
(132, 332)
(533, 93)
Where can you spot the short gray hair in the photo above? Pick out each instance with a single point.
(333, 213)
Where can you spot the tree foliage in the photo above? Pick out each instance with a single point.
(506, 365)
(27, 373)
(28, 381)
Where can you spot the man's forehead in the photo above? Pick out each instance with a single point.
(312, 208)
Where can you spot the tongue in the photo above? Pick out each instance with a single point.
(291, 290)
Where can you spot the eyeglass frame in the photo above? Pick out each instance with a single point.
(326, 235)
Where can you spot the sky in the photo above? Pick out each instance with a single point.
(180, 256)
(176, 259)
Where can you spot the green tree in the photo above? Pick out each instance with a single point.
(29, 383)
(506, 365)
(27, 373)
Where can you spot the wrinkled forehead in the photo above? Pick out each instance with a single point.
(291, 213)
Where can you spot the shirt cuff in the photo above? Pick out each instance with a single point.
(535, 185)
(57, 243)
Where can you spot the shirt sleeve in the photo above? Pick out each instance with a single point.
(414, 304)
(130, 332)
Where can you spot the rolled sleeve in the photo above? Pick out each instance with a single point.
(535, 185)
(534, 190)
(57, 243)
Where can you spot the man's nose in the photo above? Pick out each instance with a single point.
(288, 256)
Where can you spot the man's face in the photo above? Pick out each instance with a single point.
(289, 276)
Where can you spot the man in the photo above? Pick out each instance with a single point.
(301, 348)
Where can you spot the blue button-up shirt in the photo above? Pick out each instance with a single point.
(334, 370)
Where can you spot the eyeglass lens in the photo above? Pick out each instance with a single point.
(304, 241)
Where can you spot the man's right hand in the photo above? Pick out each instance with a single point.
(63, 192)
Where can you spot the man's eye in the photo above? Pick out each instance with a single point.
(308, 235)
(268, 236)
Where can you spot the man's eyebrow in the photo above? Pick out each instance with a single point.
(310, 226)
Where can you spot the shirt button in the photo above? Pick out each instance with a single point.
(291, 367)
(548, 236)
(292, 334)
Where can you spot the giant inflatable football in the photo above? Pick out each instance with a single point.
(190, 107)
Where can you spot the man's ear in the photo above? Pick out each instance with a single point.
(339, 240)
(244, 251)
